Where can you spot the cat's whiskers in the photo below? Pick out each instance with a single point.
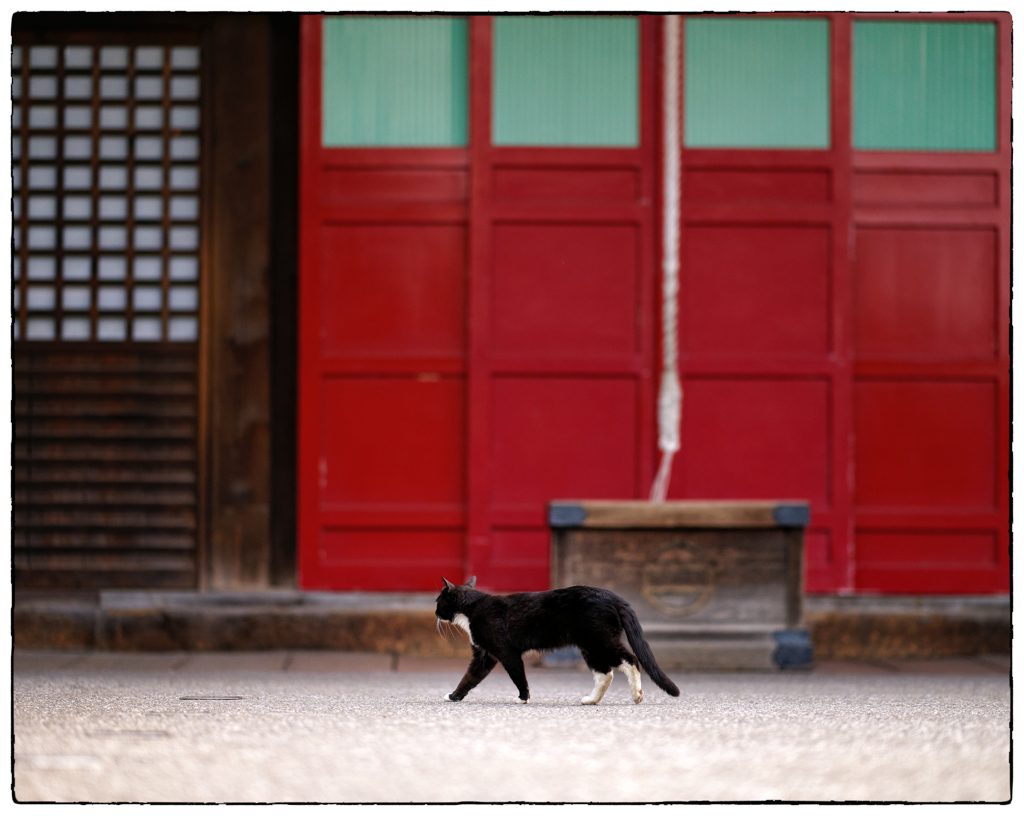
(448, 626)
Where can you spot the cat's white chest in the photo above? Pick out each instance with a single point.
(462, 622)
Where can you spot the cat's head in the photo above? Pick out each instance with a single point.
(449, 602)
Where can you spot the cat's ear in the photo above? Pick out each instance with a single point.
(448, 584)
(471, 582)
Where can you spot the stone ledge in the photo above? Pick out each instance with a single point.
(231, 621)
(907, 626)
(841, 627)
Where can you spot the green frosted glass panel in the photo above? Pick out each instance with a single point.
(566, 81)
(756, 83)
(394, 82)
(924, 86)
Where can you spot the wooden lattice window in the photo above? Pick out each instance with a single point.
(106, 143)
(106, 147)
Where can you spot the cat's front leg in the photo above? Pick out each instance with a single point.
(479, 667)
(517, 672)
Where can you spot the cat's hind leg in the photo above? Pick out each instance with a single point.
(597, 659)
(633, 676)
(479, 667)
(602, 661)
(601, 682)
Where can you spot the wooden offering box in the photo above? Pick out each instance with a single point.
(717, 585)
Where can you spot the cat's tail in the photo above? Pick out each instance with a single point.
(642, 650)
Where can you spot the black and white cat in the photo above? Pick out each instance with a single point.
(503, 627)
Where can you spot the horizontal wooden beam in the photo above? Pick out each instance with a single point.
(694, 514)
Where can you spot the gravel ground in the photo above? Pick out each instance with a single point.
(385, 736)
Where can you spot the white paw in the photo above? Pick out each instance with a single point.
(589, 701)
(521, 702)
(447, 698)
(638, 697)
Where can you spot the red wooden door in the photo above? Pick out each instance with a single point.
(930, 303)
(383, 357)
(763, 296)
(474, 342)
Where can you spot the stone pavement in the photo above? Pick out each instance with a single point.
(303, 726)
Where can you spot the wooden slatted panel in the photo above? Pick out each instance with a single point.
(105, 476)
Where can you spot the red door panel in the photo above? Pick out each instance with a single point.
(554, 437)
(929, 189)
(402, 559)
(563, 437)
(724, 185)
(519, 558)
(394, 288)
(944, 549)
(376, 185)
(395, 443)
(565, 290)
(756, 439)
(925, 444)
(928, 561)
(925, 293)
(757, 290)
(562, 184)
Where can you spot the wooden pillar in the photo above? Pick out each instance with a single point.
(284, 291)
(237, 345)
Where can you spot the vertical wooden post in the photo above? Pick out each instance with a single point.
(284, 292)
(238, 391)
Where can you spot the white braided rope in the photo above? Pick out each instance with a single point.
(670, 394)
